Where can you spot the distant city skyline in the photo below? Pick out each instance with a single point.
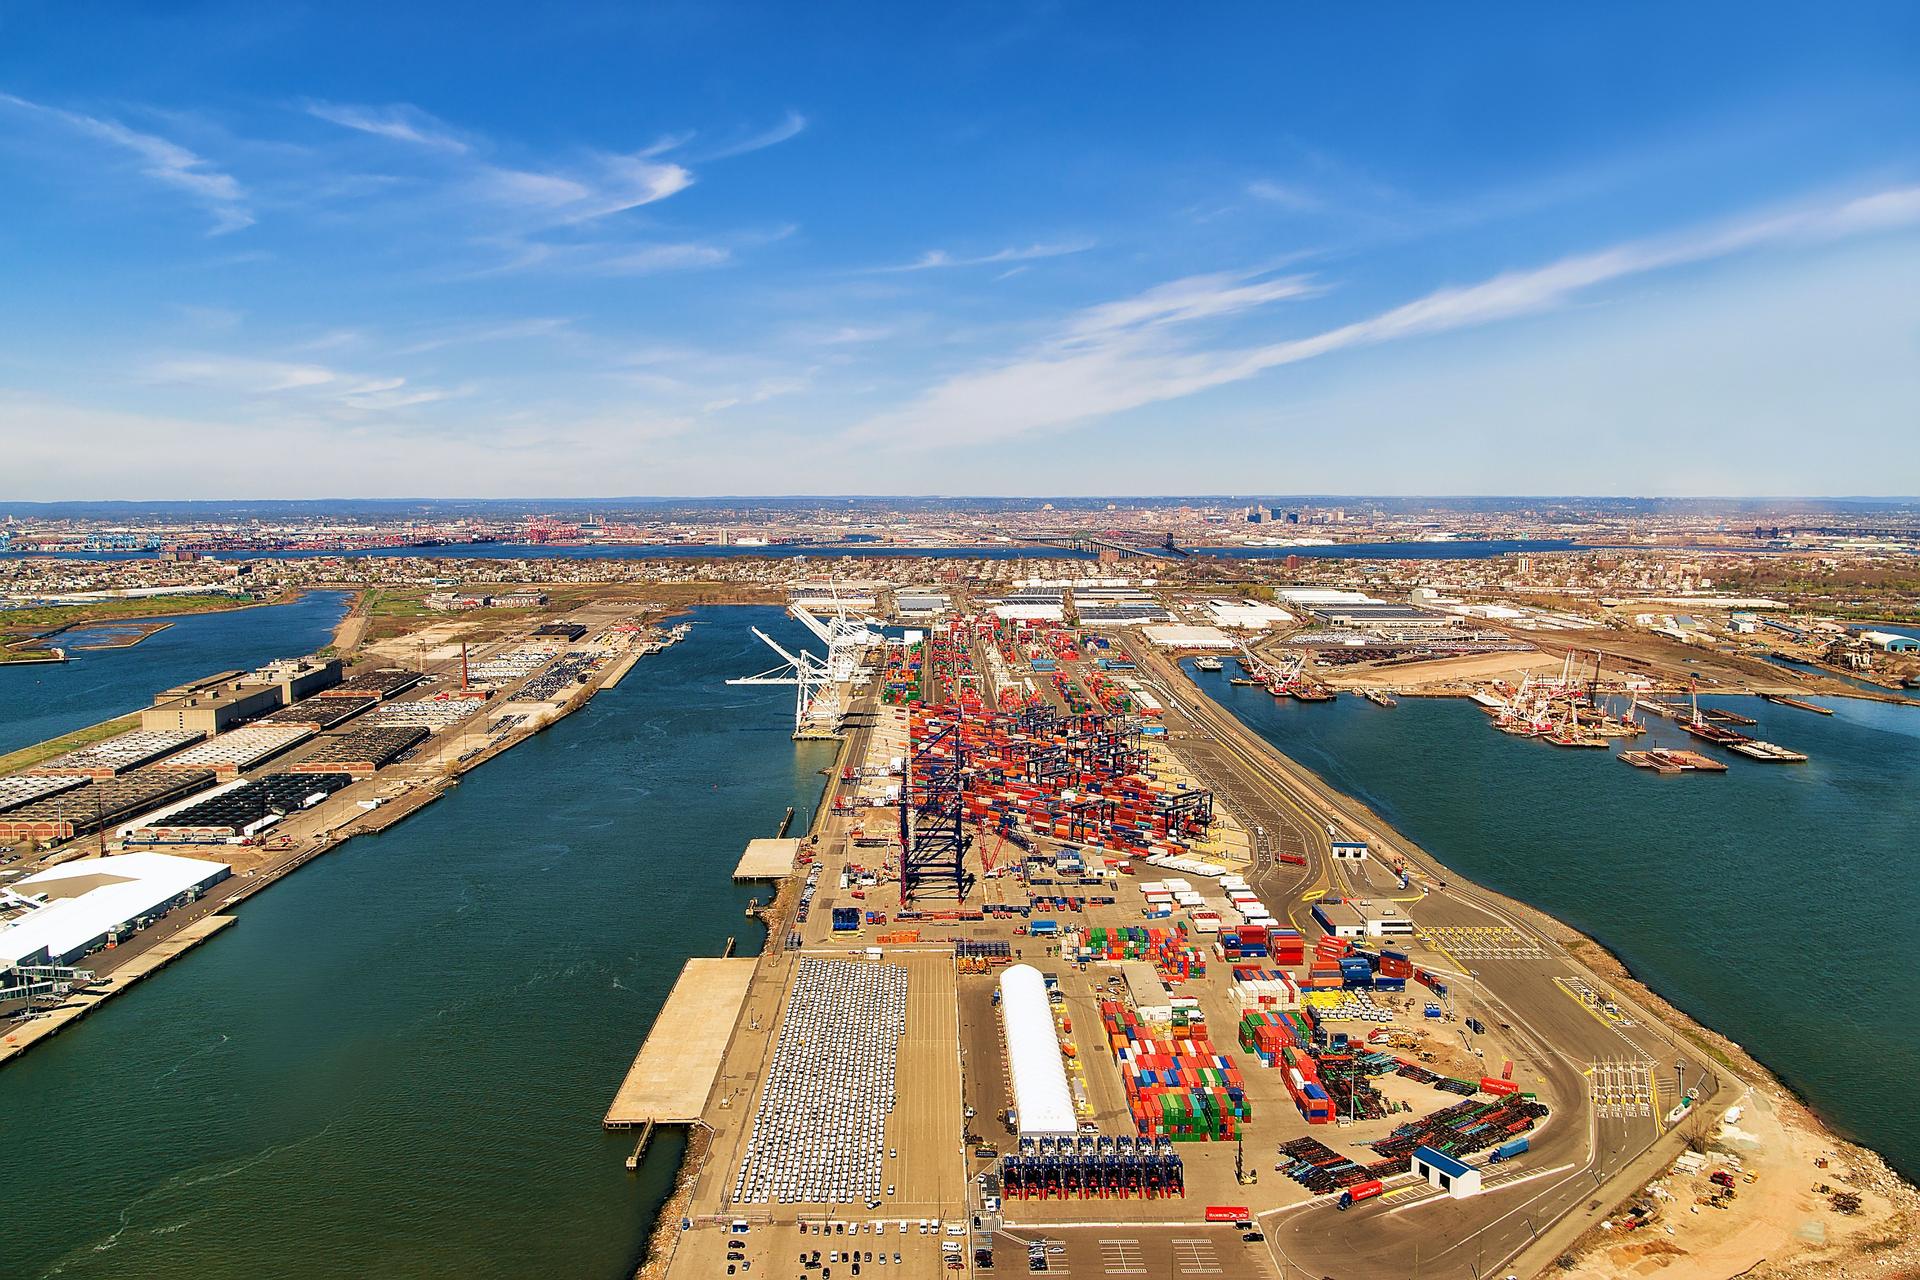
(265, 252)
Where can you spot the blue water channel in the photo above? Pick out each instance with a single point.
(396, 1062)
(1774, 903)
(44, 700)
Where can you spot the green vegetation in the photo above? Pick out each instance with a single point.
(68, 615)
(27, 757)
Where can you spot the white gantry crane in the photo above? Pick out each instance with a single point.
(816, 707)
(818, 682)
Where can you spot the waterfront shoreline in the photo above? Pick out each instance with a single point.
(1745, 1071)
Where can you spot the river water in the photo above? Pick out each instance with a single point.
(1774, 903)
(44, 700)
(396, 1062)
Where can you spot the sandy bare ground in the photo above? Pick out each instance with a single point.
(1447, 671)
(1779, 1225)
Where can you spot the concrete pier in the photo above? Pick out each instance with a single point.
(767, 860)
(671, 1078)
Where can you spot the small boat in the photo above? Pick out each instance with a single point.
(1801, 703)
(1207, 664)
(1380, 697)
(1768, 751)
(1665, 760)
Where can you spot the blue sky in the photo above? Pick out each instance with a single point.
(276, 250)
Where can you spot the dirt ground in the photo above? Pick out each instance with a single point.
(1444, 671)
(1779, 1225)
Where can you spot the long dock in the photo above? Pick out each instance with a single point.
(80, 1004)
(675, 1070)
(768, 859)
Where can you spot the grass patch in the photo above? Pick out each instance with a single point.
(27, 757)
(67, 615)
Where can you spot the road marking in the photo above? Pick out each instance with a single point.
(1196, 1257)
(1122, 1258)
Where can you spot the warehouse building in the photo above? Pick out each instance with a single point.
(235, 812)
(298, 678)
(359, 752)
(211, 708)
(231, 753)
(384, 683)
(100, 802)
(1455, 1177)
(25, 788)
(79, 907)
(319, 714)
(1042, 1106)
(119, 754)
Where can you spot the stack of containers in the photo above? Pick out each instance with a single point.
(1393, 972)
(1177, 1087)
(1255, 987)
(1302, 1079)
(1284, 946)
(1356, 971)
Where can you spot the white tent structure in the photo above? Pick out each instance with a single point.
(1040, 1099)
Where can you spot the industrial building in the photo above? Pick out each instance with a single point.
(1455, 1177)
(359, 752)
(319, 714)
(231, 753)
(1042, 1106)
(383, 683)
(100, 802)
(921, 602)
(298, 678)
(236, 812)
(65, 912)
(211, 708)
(119, 754)
(25, 788)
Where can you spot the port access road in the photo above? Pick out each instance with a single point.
(1607, 1068)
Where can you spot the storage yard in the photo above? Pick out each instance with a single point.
(1179, 978)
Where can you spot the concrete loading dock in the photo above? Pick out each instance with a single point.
(674, 1072)
(767, 860)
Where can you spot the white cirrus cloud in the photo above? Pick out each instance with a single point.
(397, 122)
(164, 161)
(937, 259)
(1126, 354)
(792, 126)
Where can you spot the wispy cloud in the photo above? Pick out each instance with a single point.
(249, 376)
(160, 159)
(789, 128)
(399, 122)
(936, 259)
(478, 335)
(1127, 354)
(1285, 195)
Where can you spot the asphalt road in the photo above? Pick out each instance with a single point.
(1609, 1076)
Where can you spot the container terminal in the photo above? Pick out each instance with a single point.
(1075, 975)
(121, 854)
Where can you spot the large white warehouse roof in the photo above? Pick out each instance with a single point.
(85, 900)
(1033, 1055)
